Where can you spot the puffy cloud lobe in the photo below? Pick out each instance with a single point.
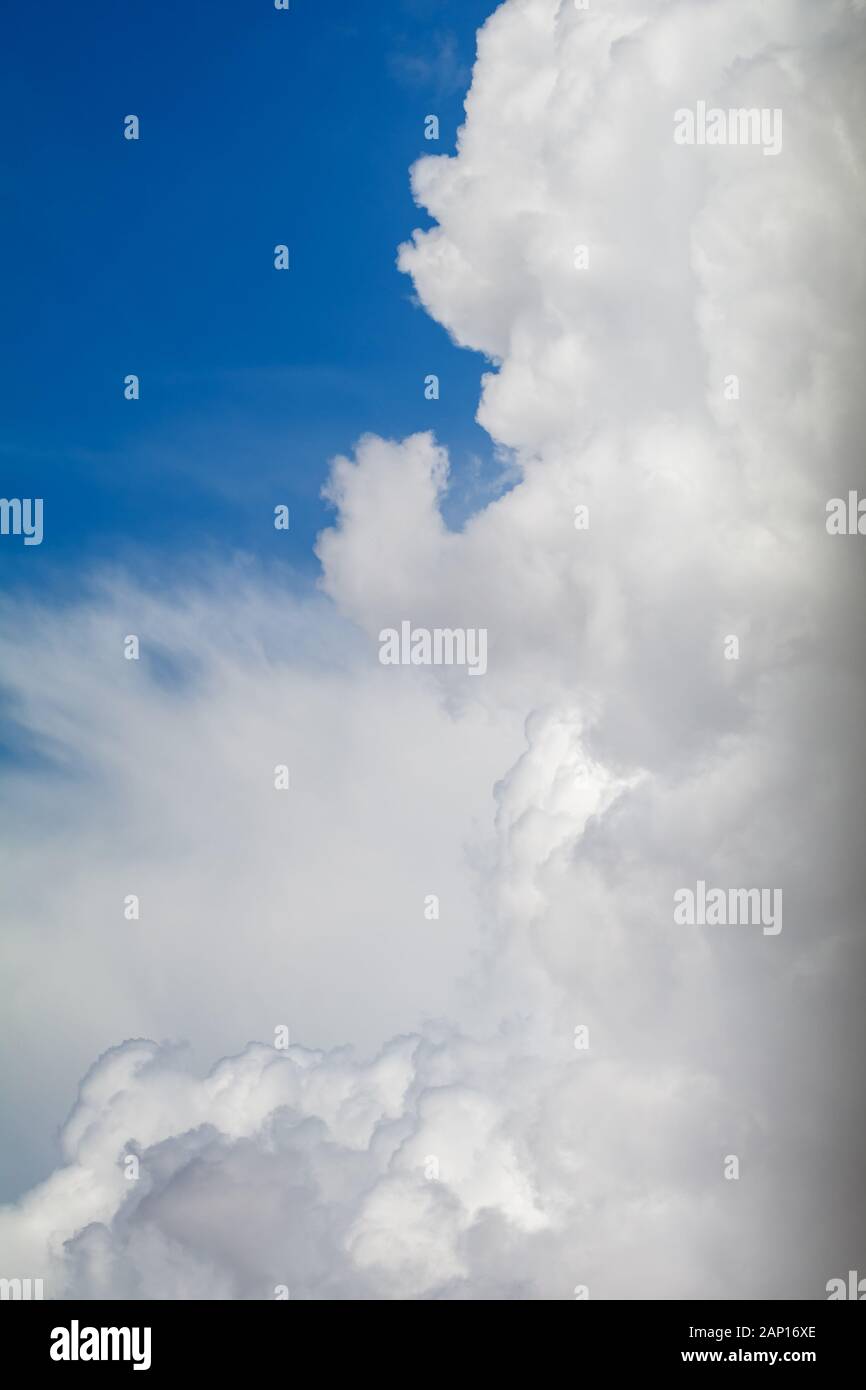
(271, 1156)
(307, 1171)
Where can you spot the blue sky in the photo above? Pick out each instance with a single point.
(156, 257)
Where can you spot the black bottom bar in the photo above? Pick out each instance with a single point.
(165, 1339)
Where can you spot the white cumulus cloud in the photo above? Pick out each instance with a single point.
(611, 754)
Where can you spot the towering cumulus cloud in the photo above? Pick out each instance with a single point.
(617, 1100)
